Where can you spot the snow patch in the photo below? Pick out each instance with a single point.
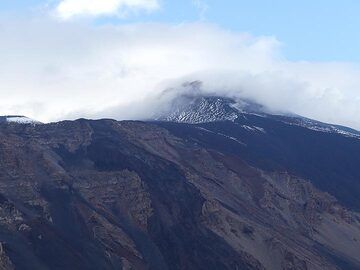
(21, 120)
(254, 128)
(223, 135)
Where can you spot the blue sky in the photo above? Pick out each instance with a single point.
(321, 30)
(112, 56)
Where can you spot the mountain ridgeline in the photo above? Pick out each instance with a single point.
(210, 183)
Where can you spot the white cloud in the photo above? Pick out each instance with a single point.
(50, 71)
(69, 8)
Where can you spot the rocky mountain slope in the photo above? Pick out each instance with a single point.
(233, 189)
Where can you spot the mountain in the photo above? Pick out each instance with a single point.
(209, 183)
(19, 119)
(195, 108)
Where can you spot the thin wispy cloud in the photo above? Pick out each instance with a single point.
(67, 9)
(202, 7)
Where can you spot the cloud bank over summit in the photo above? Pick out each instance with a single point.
(52, 70)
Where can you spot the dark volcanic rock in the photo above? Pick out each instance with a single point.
(131, 195)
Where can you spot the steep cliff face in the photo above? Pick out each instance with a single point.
(134, 195)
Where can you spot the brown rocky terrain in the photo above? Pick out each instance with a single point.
(134, 195)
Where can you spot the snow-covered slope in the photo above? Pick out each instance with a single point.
(200, 110)
(195, 107)
(19, 119)
(319, 126)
